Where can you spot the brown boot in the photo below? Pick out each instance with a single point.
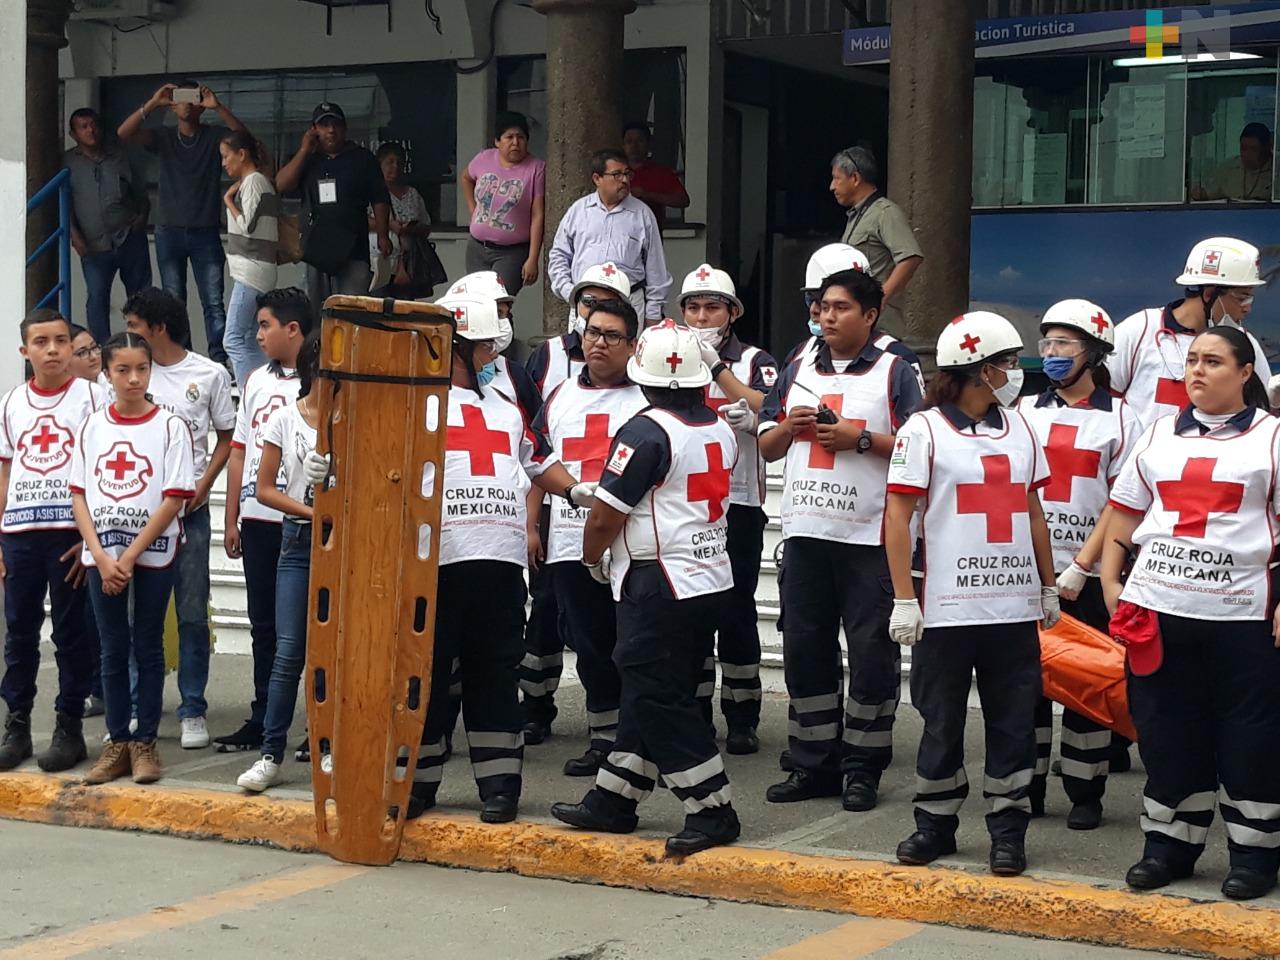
(146, 761)
(112, 765)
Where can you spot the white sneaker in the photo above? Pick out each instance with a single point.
(195, 733)
(265, 773)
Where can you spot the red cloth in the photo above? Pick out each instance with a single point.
(656, 178)
(1083, 669)
(1139, 630)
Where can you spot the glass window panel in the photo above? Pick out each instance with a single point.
(1029, 133)
(1224, 102)
(1137, 116)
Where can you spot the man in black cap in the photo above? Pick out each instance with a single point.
(338, 182)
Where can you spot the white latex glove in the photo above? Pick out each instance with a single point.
(710, 355)
(600, 569)
(1050, 606)
(316, 468)
(740, 416)
(583, 494)
(906, 625)
(1072, 580)
(1273, 391)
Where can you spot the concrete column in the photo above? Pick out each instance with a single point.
(46, 35)
(931, 155)
(13, 184)
(584, 82)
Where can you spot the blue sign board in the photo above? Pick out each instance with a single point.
(1202, 29)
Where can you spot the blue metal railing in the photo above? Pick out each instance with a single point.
(59, 187)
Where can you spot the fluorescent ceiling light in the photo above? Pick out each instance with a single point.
(1178, 58)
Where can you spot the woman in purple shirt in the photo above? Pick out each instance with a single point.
(505, 189)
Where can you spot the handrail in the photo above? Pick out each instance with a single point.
(60, 186)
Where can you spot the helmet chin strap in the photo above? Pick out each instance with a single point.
(1089, 364)
(466, 349)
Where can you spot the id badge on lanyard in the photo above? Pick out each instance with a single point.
(327, 190)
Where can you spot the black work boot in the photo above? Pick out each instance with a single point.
(248, 737)
(67, 748)
(15, 745)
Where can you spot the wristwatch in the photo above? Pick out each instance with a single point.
(718, 369)
(864, 442)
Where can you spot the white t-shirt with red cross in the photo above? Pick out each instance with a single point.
(670, 476)
(490, 456)
(1208, 503)
(1085, 445)
(38, 432)
(288, 431)
(126, 467)
(758, 370)
(580, 421)
(269, 390)
(975, 477)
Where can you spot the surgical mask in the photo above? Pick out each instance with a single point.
(709, 336)
(503, 340)
(576, 323)
(815, 328)
(485, 375)
(1007, 395)
(1058, 368)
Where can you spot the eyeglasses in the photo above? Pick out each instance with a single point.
(619, 174)
(84, 353)
(810, 298)
(1004, 363)
(1061, 347)
(611, 337)
(591, 301)
(1242, 297)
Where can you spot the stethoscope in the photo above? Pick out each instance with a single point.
(1178, 370)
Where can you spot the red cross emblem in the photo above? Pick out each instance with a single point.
(674, 360)
(1067, 461)
(715, 403)
(819, 457)
(712, 486)
(1196, 495)
(122, 472)
(899, 445)
(1212, 257)
(591, 448)
(997, 497)
(479, 442)
(703, 273)
(608, 269)
(1172, 392)
(46, 445)
(1099, 321)
(970, 343)
(459, 313)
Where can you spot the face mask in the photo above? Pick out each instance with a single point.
(1058, 368)
(1007, 395)
(485, 375)
(576, 323)
(503, 340)
(709, 336)
(815, 328)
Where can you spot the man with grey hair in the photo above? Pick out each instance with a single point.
(878, 227)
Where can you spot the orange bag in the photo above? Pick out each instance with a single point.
(1083, 670)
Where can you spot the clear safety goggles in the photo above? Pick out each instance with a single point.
(1061, 347)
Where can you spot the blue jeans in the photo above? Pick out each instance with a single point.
(293, 578)
(202, 246)
(241, 337)
(132, 261)
(143, 639)
(191, 593)
(32, 566)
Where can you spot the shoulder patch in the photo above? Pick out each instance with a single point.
(621, 457)
(769, 374)
(899, 458)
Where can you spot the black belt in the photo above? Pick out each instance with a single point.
(488, 245)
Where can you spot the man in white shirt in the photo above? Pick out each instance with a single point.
(611, 226)
(199, 391)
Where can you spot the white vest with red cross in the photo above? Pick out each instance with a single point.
(581, 424)
(979, 561)
(560, 367)
(838, 495)
(1150, 361)
(1084, 447)
(747, 485)
(681, 522)
(1209, 526)
(487, 462)
(38, 435)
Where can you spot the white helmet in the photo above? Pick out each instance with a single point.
(1082, 315)
(710, 282)
(473, 319)
(481, 285)
(607, 275)
(833, 258)
(668, 356)
(973, 337)
(1222, 262)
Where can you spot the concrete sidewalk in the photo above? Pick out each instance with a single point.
(818, 827)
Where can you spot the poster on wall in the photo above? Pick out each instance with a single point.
(1140, 126)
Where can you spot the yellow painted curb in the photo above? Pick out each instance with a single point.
(1042, 908)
